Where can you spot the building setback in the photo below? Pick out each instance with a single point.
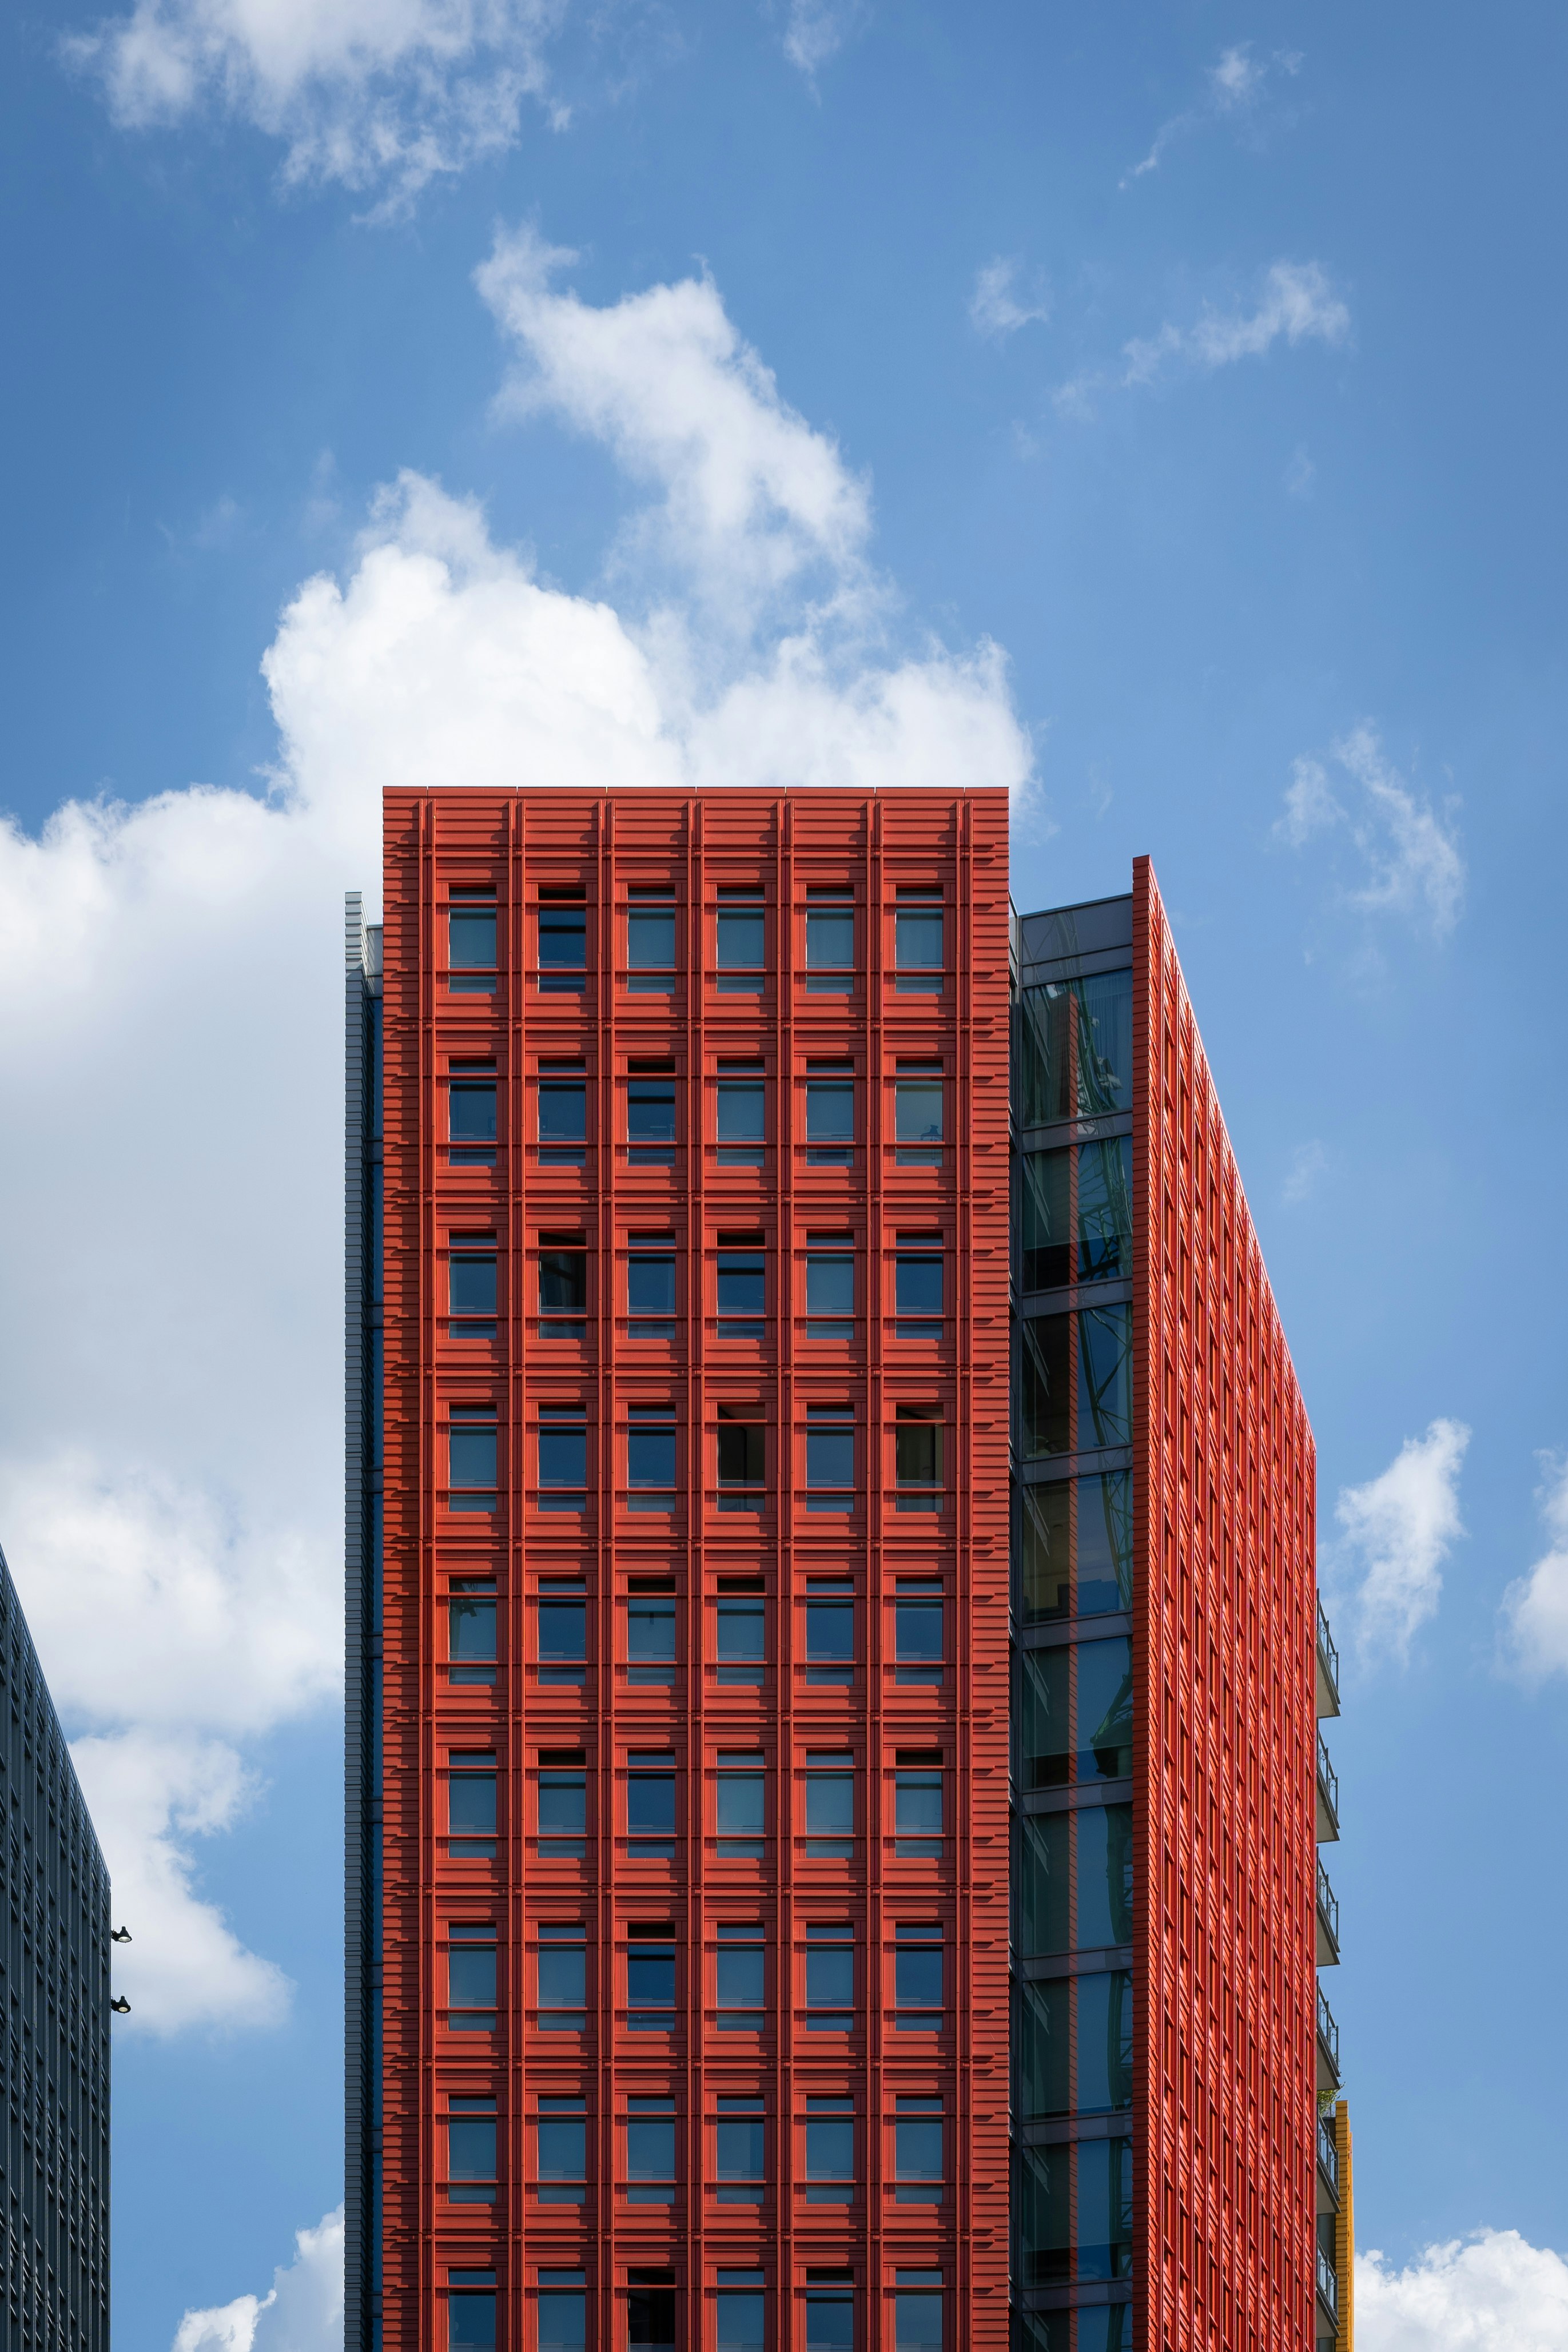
(679, 1567)
(54, 2037)
(682, 1895)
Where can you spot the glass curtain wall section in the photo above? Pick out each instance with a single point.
(1072, 1713)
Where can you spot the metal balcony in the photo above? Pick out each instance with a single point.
(1328, 2046)
(1328, 1796)
(1328, 2286)
(1327, 1668)
(1328, 2154)
(1328, 1922)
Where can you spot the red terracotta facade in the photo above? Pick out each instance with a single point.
(1225, 1503)
(952, 1200)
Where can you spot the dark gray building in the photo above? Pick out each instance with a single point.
(54, 2038)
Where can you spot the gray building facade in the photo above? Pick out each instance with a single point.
(54, 2039)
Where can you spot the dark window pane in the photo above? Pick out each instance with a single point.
(1044, 1551)
(651, 1457)
(562, 1282)
(917, 2325)
(471, 1979)
(562, 1457)
(1104, 2041)
(743, 942)
(562, 2323)
(918, 1630)
(562, 1630)
(917, 1980)
(742, 1629)
(650, 1630)
(1073, 1049)
(743, 1286)
(917, 1453)
(563, 1804)
(473, 1285)
(919, 1112)
(740, 2323)
(742, 1114)
(563, 2151)
(1042, 2049)
(1045, 1386)
(471, 2323)
(831, 1457)
(1105, 1209)
(1042, 1717)
(917, 1285)
(471, 2151)
(1072, 2045)
(830, 1978)
(1105, 1709)
(650, 1286)
(742, 1454)
(918, 2150)
(742, 1977)
(564, 1113)
(829, 941)
(471, 1804)
(650, 2150)
(650, 942)
(562, 1979)
(473, 1629)
(830, 1286)
(829, 2322)
(829, 1804)
(1042, 2215)
(918, 943)
(473, 1114)
(473, 1457)
(650, 2316)
(742, 2151)
(1105, 1377)
(830, 2151)
(1104, 1875)
(1104, 2248)
(562, 938)
(650, 1980)
(1104, 1542)
(650, 1808)
(740, 1805)
(917, 1803)
(473, 942)
(1044, 1220)
(829, 1112)
(650, 1112)
(1042, 1884)
(829, 1630)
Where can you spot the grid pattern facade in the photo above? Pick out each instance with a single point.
(54, 2031)
(693, 1362)
(1164, 1612)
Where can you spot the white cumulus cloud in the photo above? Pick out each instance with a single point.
(1535, 1607)
(1297, 304)
(1402, 1525)
(382, 94)
(1409, 859)
(1492, 2292)
(301, 2312)
(170, 985)
(1000, 305)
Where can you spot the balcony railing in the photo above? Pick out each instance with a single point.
(1328, 1665)
(1328, 2032)
(1328, 1781)
(1328, 2154)
(1328, 1912)
(1328, 2285)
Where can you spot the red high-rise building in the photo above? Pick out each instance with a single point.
(679, 1864)
(699, 1384)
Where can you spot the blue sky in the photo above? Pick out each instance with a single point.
(1157, 410)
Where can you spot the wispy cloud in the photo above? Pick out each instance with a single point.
(1492, 2292)
(1297, 304)
(1309, 1164)
(1000, 305)
(816, 30)
(1535, 1607)
(1401, 1526)
(1409, 856)
(1235, 86)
